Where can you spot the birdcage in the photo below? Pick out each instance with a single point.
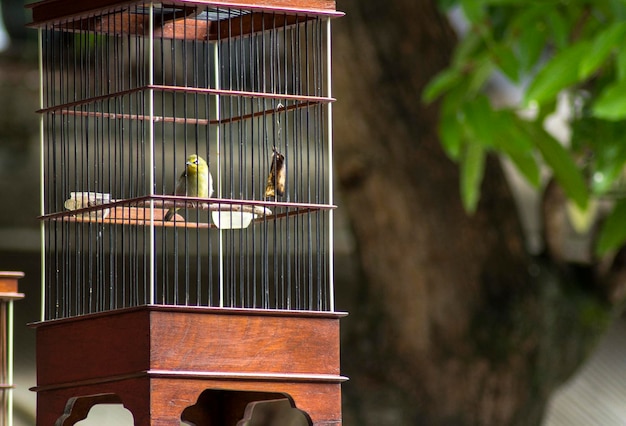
(187, 208)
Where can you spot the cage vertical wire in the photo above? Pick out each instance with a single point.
(130, 93)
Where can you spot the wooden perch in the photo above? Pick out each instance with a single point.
(91, 207)
(96, 206)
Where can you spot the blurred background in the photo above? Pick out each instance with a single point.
(455, 319)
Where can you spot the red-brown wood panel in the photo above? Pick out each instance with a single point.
(159, 360)
(161, 401)
(321, 401)
(133, 340)
(244, 343)
(8, 281)
(134, 393)
(92, 346)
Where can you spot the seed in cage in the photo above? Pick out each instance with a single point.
(81, 200)
(275, 185)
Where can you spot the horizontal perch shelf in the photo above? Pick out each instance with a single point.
(177, 120)
(91, 207)
(299, 101)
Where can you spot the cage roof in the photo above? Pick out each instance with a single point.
(54, 10)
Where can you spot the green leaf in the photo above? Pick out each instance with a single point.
(602, 46)
(613, 232)
(441, 83)
(496, 129)
(509, 136)
(611, 104)
(473, 10)
(604, 178)
(506, 60)
(514, 144)
(472, 169)
(559, 26)
(560, 72)
(582, 220)
(565, 170)
(504, 2)
(478, 120)
(453, 100)
(446, 4)
(518, 148)
(470, 46)
(483, 67)
(529, 31)
(532, 42)
(621, 64)
(609, 160)
(527, 165)
(450, 134)
(618, 9)
(605, 139)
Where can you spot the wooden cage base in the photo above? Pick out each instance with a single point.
(202, 366)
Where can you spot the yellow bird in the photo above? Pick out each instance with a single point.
(195, 181)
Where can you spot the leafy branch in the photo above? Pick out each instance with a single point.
(552, 51)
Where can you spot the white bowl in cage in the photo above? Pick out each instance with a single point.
(231, 219)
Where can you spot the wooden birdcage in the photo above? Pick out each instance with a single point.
(185, 295)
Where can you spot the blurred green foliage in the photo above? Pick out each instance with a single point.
(553, 51)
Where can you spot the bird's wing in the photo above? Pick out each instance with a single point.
(181, 185)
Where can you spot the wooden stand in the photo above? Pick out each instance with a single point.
(8, 294)
(200, 365)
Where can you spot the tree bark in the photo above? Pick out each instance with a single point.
(452, 322)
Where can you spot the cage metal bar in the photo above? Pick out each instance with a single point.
(151, 297)
(9, 357)
(6, 416)
(6, 362)
(42, 162)
(218, 154)
(329, 120)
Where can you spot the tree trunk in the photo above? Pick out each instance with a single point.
(451, 322)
